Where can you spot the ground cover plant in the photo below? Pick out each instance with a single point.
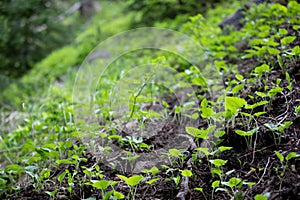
(236, 132)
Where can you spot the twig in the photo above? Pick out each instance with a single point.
(265, 169)
(286, 111)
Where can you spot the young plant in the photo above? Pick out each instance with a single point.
(132, 182)
(284, 160)
(200, 133)
(278, 130)
(248, 135)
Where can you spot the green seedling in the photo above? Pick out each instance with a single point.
(218, 163)
(284, 160)
(153, 171)
(278, 130)
(132, 182)
(52, 194)
(176, 180)
(235, 185)
(248, 136)
(297, 110)
(215, 185)
(200, 133)
(176, 156)
(101, 185)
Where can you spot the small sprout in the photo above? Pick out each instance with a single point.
(291, 156)
(186, 173)
(132, 181)
(215, 184)
(261, 69)
(218, 162)
(274, 91)
(199, 133)
(233, 182)
(175, 153)
(248, 133)
(154, 170)
(176, 180)
(102, 184)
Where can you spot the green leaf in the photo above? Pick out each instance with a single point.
(215, 184)
(223, 148)
(232, 104)
(195, 116)
(234, 182)
(204, 103)
(61, 177)
(279, 155)
(283, 31)
(203, 150)
(241, 132)
(273, 51)
(206, 112)
(66, 161)
(261, 94)
(280, 62)
(13, 169)
(291, 156)
(218, 162)
(192, 131)
(175, 152)
(296, 50)
(246, 134)
(253, 106)
(134, 180)
(260, 197)
(200, 80)
(259, 114)
(186, 173)
(274, 91)
(239, 77)
(199, 189)
(262, 68)
(287, 40)
(45, 174)
(102, 184)
(288, 78)
(118, 195)
(271, 126)
(107, 195)
(237, 88)
(152, 181)
(154, 170)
